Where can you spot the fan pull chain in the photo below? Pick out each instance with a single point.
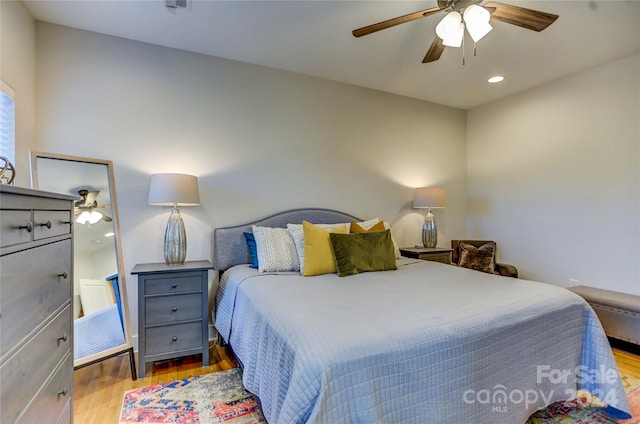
(463, 61)
(474, 48)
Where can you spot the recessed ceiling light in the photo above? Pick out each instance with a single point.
(495, 79)
(109, 235)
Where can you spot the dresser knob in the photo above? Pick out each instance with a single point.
(174, 285)
(62, 392)
(28, 227)
(174, 338)
(63, 338)
(174, 309)
(64, 275)
(46, 224)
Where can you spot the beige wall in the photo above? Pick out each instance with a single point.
(18, 69)
(554, 176)
(260, 140)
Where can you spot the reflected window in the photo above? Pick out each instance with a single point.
(7, 122)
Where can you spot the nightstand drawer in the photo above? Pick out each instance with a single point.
(434, 254)
(173, 283)
(170, 309)
(173, 338)
(445, 257)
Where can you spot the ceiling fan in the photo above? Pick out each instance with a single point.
(467, 14)
(85, 209)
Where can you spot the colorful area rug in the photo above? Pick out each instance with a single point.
(585, 408)
(205, 399)
(220, 398)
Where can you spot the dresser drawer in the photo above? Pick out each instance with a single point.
(33, 287)
(173, 283)
(173, 338)
(169, 309)
(50, 224)
(29, 368)
(65, 417)
(50, 402)
(10, 231)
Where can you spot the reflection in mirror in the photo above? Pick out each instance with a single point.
(101, 324)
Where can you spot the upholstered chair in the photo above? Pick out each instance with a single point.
(477, 255)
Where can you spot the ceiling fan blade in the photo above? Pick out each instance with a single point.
(395, 21)
(520, 16)
(435, 51)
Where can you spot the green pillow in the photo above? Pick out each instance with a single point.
(356, 253)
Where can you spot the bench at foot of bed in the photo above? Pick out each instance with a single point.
(619, 313)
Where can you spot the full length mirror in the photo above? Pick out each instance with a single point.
(101, 322)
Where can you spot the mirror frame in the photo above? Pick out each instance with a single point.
(128, 345)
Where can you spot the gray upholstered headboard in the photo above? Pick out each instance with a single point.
(230, 247)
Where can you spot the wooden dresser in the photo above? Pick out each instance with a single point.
(36, 317)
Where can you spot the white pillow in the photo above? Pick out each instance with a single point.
(297, 233)
(276, 249)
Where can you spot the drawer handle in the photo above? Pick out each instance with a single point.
(174, 285)
(64, 275)
(46, 224)
(62, 392)
(63, 338)
(174, 339)
(28, 227)
(174, 309)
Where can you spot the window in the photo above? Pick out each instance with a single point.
(7, 123)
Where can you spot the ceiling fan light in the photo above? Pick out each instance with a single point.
(94, 217)
(449, 27)
(83, 218)
(451, 30)
(477, 30)
(475, 13)
(455, 38)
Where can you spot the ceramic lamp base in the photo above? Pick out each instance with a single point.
(175, 239)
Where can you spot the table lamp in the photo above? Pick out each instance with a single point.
(429, 198)
(174, 190)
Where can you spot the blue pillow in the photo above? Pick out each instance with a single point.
(253, 250)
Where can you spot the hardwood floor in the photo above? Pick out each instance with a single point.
(99, 388)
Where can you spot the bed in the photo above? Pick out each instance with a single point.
(427, 342)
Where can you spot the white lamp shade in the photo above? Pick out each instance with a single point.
(429, 197)
(477, 20)
(451, 29)
(173, 189)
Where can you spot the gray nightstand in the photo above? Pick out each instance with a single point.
(173, 318)
(436, 254)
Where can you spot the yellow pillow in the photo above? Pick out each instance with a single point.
(318, 251)
(357, 229)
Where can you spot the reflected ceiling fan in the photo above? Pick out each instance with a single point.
(85, 209)
(467, 14)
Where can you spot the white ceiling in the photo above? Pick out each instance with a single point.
(314, 38)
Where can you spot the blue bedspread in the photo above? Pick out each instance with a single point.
(428, 343)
